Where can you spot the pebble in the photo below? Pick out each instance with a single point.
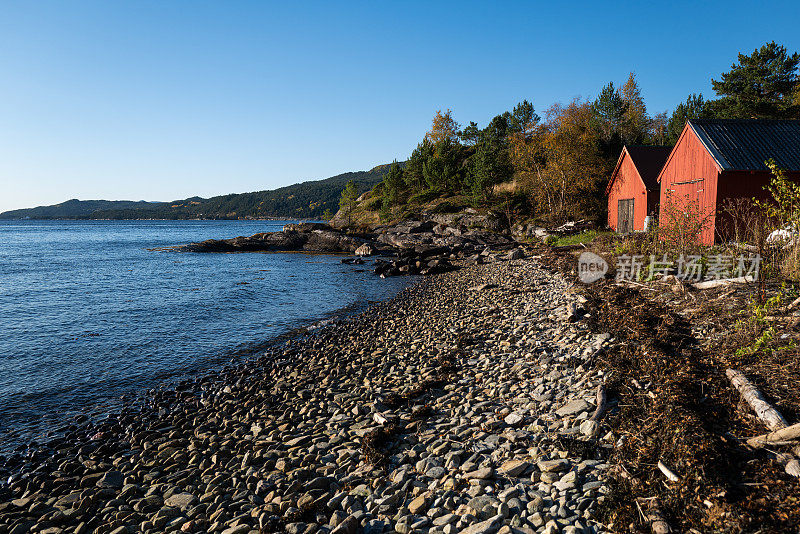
(462, 396)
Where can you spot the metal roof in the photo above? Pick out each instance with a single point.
(744, 145)
(649, 160)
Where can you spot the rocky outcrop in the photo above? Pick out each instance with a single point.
(418, 246)
(308, 237)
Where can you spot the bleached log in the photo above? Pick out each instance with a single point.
(776, 437)
(602, 404)
(769, 415)
(671, 476)
(710, 284)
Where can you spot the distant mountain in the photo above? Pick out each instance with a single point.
(307, 200)
(74, 208)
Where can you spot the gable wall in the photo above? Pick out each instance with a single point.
(627, 185)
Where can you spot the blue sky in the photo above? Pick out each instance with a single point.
(169, 99)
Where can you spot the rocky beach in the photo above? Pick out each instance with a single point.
(462, 405)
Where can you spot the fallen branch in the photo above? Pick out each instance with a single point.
(777, 437)
(671, 476)
(602, 404)
(769, 415)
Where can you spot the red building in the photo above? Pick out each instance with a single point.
(633, 188)
(718, 159)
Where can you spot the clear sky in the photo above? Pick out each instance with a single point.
(168, 99)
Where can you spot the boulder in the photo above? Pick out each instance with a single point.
(365, 250)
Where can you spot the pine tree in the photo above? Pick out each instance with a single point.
(695, 107)
(762, 85)
(348, 201)
(635, 124)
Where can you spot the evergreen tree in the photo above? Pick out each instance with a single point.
(347, 202)
(470, 135)
(695, 107)
(523, 118)
(442, 169)
(635, 122)
(489, 165)
(762, 85)
(392, 185)
(609, 108)
(609, 112)
(413, 173)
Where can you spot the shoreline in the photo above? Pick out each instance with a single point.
(21, 441)
(339, 429)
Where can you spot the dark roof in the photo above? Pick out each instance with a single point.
(744, 145)
(649, 161)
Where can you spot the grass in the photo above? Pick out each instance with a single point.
(577, 239)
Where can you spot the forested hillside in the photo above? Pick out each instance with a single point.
(75, 209)
(307, 200)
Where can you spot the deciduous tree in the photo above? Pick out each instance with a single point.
(443, 128)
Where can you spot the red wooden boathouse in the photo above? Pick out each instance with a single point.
(717, 159)
(633, 188)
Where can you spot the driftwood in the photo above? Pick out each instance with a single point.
(602, 404)
(777, 437)
(710, 284)
(781, 431)
(668, 472)
(769, 415)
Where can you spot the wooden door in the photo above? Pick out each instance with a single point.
(625, 216)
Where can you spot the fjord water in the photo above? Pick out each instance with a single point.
(88, 313)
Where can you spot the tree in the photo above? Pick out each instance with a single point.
(695, 107)
(348, 201)
(524, 118)
(443, 128)
(635, 121)
(560, 164)
(414, 174)
(489, 165)
(470, 134)
(659, 135)
(442, 169)
(327, 215)
(609, 110)
(392, 185)
(760, 86)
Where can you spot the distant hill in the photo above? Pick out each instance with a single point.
(306, 200)
(72, 209)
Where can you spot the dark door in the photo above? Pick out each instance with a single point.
(625, 216)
